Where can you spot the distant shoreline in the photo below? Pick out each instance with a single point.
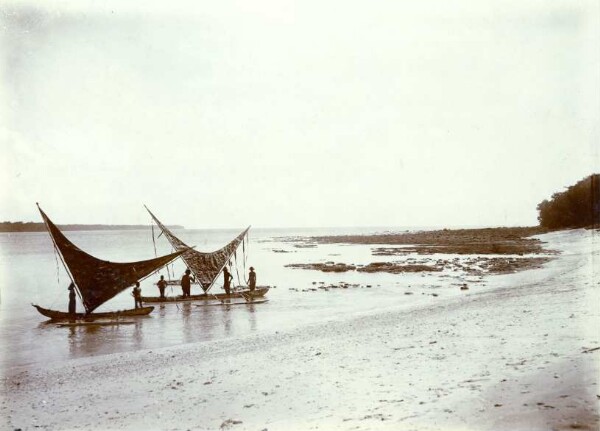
(41, 227)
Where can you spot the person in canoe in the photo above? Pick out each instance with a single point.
(227, 281)
(72, 303)
(162, 284)
(186, 283)
(252, 279)
(137, 295)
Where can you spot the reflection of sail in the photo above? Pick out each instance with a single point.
(206, 267)
(98, 280)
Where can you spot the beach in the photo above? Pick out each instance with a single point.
(520, 353)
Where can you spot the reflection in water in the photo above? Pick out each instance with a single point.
(137, 335)
(169, 324)
(185, 310)
(71, 340)
(252, 315)
(226, 321)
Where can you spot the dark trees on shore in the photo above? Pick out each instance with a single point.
(578, 206)
(18, 226)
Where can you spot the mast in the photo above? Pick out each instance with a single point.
(57, 251)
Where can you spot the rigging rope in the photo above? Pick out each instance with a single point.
(57, 279)
(57, 271)
(236, 268)
(153, 241)
(172, 268)
(244, 241)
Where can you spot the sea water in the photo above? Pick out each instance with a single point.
(31, 272)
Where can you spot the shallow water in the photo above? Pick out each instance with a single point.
(32, 273)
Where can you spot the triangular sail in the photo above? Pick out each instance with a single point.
(99, 280)
(206, 267)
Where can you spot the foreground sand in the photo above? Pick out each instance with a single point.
(516, 356)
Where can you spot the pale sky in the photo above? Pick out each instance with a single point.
(282, 113)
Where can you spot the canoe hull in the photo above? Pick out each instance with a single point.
(259, 292)
(62, 316)
(227, 304)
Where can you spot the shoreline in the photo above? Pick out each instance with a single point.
(466, 362)
(30, 227)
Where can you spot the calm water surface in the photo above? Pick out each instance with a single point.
(30, 272)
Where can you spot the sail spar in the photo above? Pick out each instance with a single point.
(206, 267)
(98, 280)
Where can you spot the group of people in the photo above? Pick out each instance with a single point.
(186, 285)
(187, 279)
(227, 279)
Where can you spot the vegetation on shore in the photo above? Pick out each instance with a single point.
(576, 207)
(41, 227)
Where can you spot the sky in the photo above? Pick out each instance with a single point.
(281, 113)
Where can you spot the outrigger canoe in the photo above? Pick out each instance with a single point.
(259, 292)
(96, 280)
(206, 267)
(61, 315)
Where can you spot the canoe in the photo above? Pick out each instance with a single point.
(61, 315)
(260, 301)
(84, 323)
(260, 291)
(178, 282)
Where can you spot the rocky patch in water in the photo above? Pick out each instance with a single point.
(476, 266)
(501, 240)
(327, 287)
(397, 268)
(325, 267)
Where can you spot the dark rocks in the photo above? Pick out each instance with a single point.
(229, 422)
(395, 268)
(325, 267)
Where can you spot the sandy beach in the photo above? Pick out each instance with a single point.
(520, 354)
(414, 186)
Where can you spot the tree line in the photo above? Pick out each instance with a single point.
(19, 226)
(578, 206)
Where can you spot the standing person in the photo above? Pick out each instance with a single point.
(162, 284)
(186, 283)
(72, 304)
(252, 279)
(137, 295)
(227, 281)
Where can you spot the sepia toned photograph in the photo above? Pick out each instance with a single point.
(295, 215)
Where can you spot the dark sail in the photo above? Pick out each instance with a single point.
(206, 267)
(99, 280)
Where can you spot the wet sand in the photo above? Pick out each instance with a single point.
(518, 355)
